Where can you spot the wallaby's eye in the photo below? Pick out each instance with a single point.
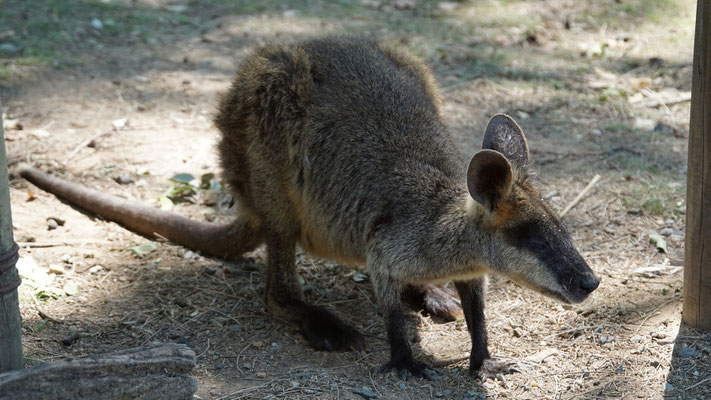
(537, 246)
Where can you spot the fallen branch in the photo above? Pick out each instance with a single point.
(151, 372)
(580, 195)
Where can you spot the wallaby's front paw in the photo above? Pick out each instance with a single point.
(324, 331)
(494, 369)
(406, 367)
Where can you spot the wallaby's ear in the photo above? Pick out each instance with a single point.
(489, 178)
(505, 136)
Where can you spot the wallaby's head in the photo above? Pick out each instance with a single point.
(530, 244)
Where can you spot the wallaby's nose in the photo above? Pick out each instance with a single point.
(590, 283)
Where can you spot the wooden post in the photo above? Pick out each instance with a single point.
(697, 270)
(10, 322)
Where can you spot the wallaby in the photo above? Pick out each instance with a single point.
(337, 144)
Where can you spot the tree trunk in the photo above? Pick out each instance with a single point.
(149, 372)
(10, 321)
(697, 270)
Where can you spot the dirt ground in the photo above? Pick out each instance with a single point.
(599, 88)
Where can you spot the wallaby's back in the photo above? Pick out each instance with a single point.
(333, 139)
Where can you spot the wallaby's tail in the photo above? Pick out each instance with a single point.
(224, 241)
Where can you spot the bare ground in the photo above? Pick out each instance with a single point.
(581, 80)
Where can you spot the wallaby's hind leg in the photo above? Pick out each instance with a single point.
(322, 329)
(435, 300)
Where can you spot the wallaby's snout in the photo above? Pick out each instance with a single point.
(589, 283)
(584, 283)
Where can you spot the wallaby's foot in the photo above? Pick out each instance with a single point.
(407, 366)
(494, 369)
(435, 300)
(325, 331)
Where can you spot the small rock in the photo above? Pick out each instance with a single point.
(71, 338)
(12, 124)
(95, 269)
(66, 258)
(644, 124)
(668, 387)
(124, 179)
(636, 339)
(209, 270)
(56, 269)
(364, 392)
(543, 355)
(211, 197)
(58, 220)
(551, 194)
(119, 123)
(688, 352)
(182, 302)
(188, 255)
(96, 23)
(402, 385)
(606, 340)
(51, 224)
(404, 4)
(295, 384)
(669, 222)
(40, 133)
(663, 129)
(261, 375)
(666, 231)
(8, 48)
(450, 6)
(620, 368)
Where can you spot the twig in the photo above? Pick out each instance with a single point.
(580, 195)
(42, 244)
(444, 363)
(84, 144)
(698, 383)
(660, 102)
(44, 315)
(245, 390)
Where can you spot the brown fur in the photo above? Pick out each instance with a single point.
(337, 144)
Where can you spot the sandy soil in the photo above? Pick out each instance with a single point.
(585, 113)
